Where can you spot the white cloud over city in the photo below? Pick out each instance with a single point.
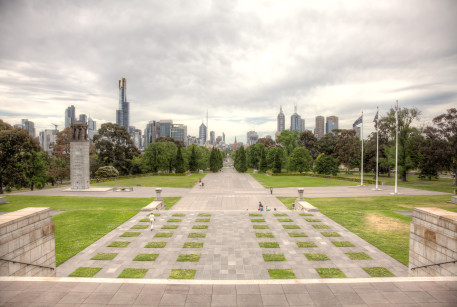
(240, 60)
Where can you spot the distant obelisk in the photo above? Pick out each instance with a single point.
(79, 157)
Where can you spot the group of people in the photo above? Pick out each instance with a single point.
(261, 207)
(201, 184)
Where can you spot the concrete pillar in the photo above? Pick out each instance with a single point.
(79, 157)
(158, 192)
(300, 193)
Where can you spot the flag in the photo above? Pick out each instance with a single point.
(357, 122)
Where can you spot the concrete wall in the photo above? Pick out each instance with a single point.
(27, 236)
(79, 165)
(433, 240)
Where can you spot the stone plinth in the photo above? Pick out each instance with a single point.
(2, 199)
(303, 205)
(155, 205)
(27, 243)
(454, 200)
(79, 165)
(433, 241)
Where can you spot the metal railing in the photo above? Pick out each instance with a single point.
(38, 265)
(425, 266)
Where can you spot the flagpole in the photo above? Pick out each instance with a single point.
(377, 148)
(361, 177)
(396, 147)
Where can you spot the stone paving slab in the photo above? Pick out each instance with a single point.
(231, 249)
(121, 292)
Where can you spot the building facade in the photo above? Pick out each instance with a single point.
(151, 133)
(332, 123)
(83, 118)
(91, 128)
(29, 126)
(123, 112)
(319, 129)
(295, 121)
(212, 137)
(202, 133)
(165, 127)
(179, 132)
(252, 137)
(48, 139)
(281, 121)
(70, 116)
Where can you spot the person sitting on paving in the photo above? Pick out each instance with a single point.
(260, 206)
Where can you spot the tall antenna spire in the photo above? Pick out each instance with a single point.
(295, 108)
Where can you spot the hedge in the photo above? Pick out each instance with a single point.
(322, 176)
(137, 176)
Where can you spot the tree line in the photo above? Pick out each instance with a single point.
(24, 164)
(430, 149)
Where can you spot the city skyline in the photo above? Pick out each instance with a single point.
(241, 61)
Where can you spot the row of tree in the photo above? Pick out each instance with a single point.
(430, 149)
(24, 164)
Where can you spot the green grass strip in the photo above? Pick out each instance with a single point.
(204, 214)
(155, 245)
(104, 256)
(119, 244)
(174, 220)
(291, 226)
(182, 274)
(85, 272)
(188, 258)
(133, 273)
(258, 220)
(306, 244)
(193, 245)
(255, 214)
(139, 227)
(317, 257)
(312, 220)
(200, 227)
(197, 235)
(343, 244)
(297, 234)
(146, 257)
(285, 220)
(321, 226)
(130, 234)
(260, 227)
(264, 235)
(378, 272)
(163, 235)
(330, 234)
(281, 214)
(330, 273)
(144, 220)
(179, 214)
(274, 257)
(268, 245)
(358, 256)
(281, 273)
(306, 214)
(169, 227)
(202, 220)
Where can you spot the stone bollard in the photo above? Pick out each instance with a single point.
(200, 171)
(255, 171)
(300, 193)
(158, 192)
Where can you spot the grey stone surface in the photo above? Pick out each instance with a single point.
(2, 199)
(454, 200)
(79, 165)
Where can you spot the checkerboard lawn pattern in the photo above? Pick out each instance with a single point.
(233, 245)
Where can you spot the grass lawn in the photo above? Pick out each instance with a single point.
(260, 227)
(274, 257)
(358, 256)
(374, 218)
(330, 273)
(264, 235)
(197, 235)
(139, 226)
(285, 220)
(204, 214)
(378, 272)
(133, 273)
(155, 181)
(182, 274)
(163, 235)
(188, 258)
(174, 220)
(258, 220)
(119, 244)
(306, 244)
(169, 227)
(297, 234)
(155, 245)
(104, 256)
(281, 274)
(298, 181)
(291, 226)
(85, 272)
(200, 227)
(280, 214)
(179, 214)
(202, 220)
(320, 226)
(312, 220)
(85, 220)
(268, 245)
(193, 245)
(255, 214)
(130, 234)
(343, 244)
(317, 257)
(146, 257)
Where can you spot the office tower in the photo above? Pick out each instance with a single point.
(179, 132)
(212, 137)
(319, 129)
(202, 134)
(29, 126)
(69, 116)
(136, 137)
(83, 118)
(223, 137)
(151, 133)
(252, 137)
(295, 121)
(165, 127)
(91, 128)
(123, 113)
(281, 122)
(218, 139)
(302, 124)
(332, 123)
(48, 139)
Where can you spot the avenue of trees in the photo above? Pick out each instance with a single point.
(112, 153)
(430, 149)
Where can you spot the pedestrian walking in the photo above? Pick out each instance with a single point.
(271, 190)
(151, 220)
(203, 185)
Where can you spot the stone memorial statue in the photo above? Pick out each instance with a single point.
(79, 157)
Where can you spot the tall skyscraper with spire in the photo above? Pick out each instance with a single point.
(295, 121)
(123, 112)
(281, 121)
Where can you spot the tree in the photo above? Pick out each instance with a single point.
(240, 162)
(17, 148)
(289, 140)
(214, 164)
(193, 160)
(447, 128)
(107, 172)
(171, 140)
(408, 145)
(326, 165)
(327, 144)
(158, 156)
(277, 165)
(115, 147)
(309, 141)
(268, 142)
(347, 148)
(5, 126)
(433, 155)
(300, 160)
(263, 161)
(36, 169)
(61, 151)
(271, 156)
(253, 155)
(179, 167)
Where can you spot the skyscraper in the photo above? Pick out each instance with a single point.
(252, 137)
(281, 122)
(295, 121)
(83, 118)
(179, 132)
(123, 113)
(319, 129)
(332, 123)
(202, 134)
(91, 128)
(212, 137)
(223, 137)
(29, 126)
(69, 116)
(302, 124)
(165, 127)
(151, 133)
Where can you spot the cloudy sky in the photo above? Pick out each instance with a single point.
(240, 60)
